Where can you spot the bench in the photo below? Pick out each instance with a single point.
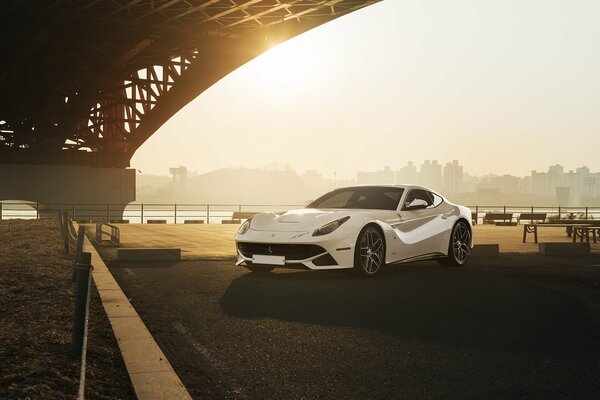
(238, 216)
(579, 230)
(570, 222)
(193, 221)
(500, 219)
(539, 217)
(156, 221)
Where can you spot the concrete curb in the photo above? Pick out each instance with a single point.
(151, 374)
(564, 249)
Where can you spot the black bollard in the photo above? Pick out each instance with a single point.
(78, 250)
(65, 230)
(84, 268)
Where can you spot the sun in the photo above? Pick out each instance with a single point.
(292, 65)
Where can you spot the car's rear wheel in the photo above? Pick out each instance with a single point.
(459, 248)
(259, 269)
(369, 255)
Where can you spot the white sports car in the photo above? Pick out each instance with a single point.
(359, 228)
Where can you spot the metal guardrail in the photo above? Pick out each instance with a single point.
(137, 212)
(114, 235)
(176, 213)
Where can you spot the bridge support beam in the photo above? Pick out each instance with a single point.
(56, 187)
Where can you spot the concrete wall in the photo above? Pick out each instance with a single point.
(69, 184)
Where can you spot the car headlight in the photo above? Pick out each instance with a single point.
(330, 227)
(245, 226)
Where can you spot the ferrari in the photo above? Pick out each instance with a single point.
(360, 229)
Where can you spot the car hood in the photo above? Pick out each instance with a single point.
(305, 219)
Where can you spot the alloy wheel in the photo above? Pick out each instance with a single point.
(461, 243)
(371, 251)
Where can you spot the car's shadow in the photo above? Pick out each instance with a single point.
(459, 307)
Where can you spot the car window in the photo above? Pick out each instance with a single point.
(369, 198)
(437, 200)
(336, 200)
(421, 195)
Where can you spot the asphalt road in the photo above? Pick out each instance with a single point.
(521, 327)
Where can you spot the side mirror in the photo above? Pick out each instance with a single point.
(416, 204)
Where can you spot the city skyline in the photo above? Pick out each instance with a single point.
(555, 184)
(353, 175)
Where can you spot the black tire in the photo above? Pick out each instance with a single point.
(260, 270)
(369, 254)
(459, 248)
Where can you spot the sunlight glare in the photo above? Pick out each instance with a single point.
(292, 64)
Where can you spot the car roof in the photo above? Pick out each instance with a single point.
(403, 186)
(398, 185)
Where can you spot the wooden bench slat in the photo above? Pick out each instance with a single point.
(498, 218)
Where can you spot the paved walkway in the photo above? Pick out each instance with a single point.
(215, 242)
(510, 238)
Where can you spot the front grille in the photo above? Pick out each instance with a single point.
(324, 260)
(289, 251)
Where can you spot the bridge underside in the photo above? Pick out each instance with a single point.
(61, 187)
(86, 82)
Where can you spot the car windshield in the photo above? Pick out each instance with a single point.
(368, 198)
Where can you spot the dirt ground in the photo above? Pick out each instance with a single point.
(36, 308)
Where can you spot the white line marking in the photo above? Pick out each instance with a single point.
(219, 368)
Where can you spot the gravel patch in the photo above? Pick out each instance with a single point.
(36, 308)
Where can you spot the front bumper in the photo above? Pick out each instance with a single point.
(299, 249)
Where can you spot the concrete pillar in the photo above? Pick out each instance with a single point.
(86, 190)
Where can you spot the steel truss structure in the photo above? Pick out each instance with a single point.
(86, 82)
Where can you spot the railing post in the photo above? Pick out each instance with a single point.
(476, 215)
(142, 217)
(532, 215)
(84, 268)
(78, 250)
(0, 211)
(504, 212)
(37, 210)
(64, 215)
(108, 213)
(559, 214)
(586, 212)
(208, 213)
(175, 213)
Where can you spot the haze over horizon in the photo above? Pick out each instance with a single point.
(500, 86)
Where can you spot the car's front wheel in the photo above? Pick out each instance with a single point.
(369, 256)
(459, 248)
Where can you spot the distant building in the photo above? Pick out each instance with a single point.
(313, 178)
(179, 174)
(453, 177)
(407, 174)
(431, 174)
(573, 188)
(504, 183)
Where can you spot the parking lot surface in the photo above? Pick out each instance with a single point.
(515, 327)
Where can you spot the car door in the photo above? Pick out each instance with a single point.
(423, 225)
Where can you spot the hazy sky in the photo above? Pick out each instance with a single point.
(503, 86)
